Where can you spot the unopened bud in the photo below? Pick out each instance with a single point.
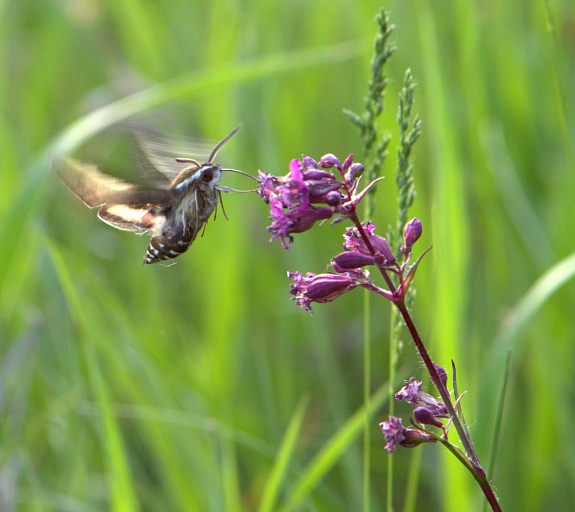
(328, 161)
(355, 171)
(309, 162)
(441, 373)
(350, 259)
(347, 163)
(411, 234)
(425, 416)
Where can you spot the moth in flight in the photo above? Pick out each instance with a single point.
(174, 211)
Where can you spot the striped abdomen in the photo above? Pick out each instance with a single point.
(162, 247)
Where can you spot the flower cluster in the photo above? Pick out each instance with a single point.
(426, 410)
(311, 192)
(348, 272)
(362, 247)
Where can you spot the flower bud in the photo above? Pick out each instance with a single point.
(318, 190)
(355, 171)
(347, 163)
(382, 247)
(441, 373)
(327, 287)
(333, 198)
(349, 259)
(328, 161)
(425, 416)
(309, 162)
(411, 234)
(316, 175)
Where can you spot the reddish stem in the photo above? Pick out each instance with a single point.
(474, 464)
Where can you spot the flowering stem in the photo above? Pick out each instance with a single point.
(294, 209)
(472, 460)
(470, 450)
(472, 463)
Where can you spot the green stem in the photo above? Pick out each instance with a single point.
(367, 401)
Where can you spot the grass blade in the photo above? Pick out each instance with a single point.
(333, 449)
(279, 471)
(122, 494)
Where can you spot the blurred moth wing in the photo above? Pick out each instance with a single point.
(174, 211)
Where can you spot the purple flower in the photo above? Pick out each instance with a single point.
(397, 435)
(294, 220)
(293, 191)
(268, 185)
(393, 433)
(294, 199)
(412, 394)
(321, 287)
(353, 241)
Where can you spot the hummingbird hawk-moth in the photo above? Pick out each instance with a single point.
(174, 211)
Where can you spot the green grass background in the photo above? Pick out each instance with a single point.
(200, 386)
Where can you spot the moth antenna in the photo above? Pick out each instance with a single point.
(188, 161)
(219, 146)
(242, 172)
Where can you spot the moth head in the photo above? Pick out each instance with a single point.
(203, 177)
(206, 175)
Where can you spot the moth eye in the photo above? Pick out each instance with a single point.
(207, 175)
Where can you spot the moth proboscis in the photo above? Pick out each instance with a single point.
(174, 210)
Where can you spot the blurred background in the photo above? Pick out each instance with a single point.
(124, 387)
